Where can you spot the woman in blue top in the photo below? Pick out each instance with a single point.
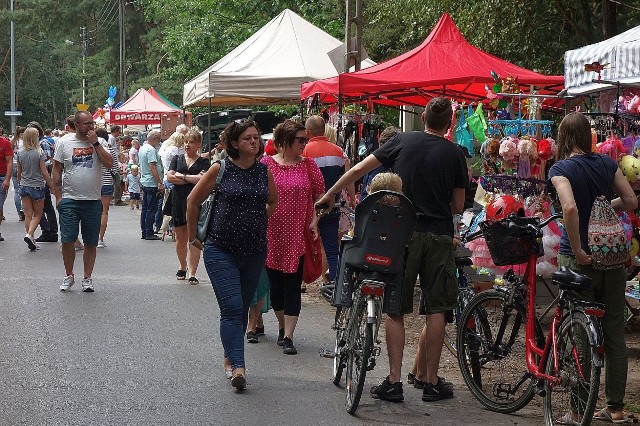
(236, 244)
(579, 178)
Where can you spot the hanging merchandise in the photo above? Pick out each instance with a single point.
(463, 137)
(477, 124)
(527, 152)
(508, 152)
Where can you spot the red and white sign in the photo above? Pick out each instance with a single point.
(377, 259)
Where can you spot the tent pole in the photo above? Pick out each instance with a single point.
(209, 125)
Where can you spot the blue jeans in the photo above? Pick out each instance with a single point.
(16, 190)
(149, 209)
(234, 279)
(328, 228)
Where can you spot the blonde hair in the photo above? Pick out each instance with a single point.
(31, 139)
(386, 181)
(331, 134)
(176, 139)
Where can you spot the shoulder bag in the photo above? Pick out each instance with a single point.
(207, 206)
(312, 261)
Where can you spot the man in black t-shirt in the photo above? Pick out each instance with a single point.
(434, 176)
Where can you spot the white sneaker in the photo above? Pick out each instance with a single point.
(87, 285)
(68, 281)
(101, 244)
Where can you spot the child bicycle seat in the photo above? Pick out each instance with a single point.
(383, 227)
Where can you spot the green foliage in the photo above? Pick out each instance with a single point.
(169, 41)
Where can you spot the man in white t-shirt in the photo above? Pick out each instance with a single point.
(77, 176)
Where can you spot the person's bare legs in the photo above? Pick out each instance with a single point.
(27, 209)
(254, 316)
(68, 257)
(193, 259)
(106, 200)
(181, 246)
(394, 332)
(420, 361)
(290, 323)
(434, 340)
(89, 260)
(38, 206)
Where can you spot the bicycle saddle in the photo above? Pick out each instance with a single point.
(570, 280)
(463, 261)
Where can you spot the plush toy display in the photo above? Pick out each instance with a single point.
(508, 152)
(612, 147)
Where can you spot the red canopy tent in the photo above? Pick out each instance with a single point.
(142, 108)
(445, 64)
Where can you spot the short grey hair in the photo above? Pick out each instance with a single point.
(154, 134)
(182, 128)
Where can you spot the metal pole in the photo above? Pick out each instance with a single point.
(123, 89)
(348, 40)
(358, 47)
(84, 55)
(13, 72)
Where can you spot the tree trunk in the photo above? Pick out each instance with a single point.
(609, 19)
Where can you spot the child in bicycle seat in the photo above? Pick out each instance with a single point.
(386, 181)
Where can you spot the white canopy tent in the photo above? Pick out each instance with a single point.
(269, 67)
(621, 54)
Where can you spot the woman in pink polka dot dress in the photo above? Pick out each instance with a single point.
(300, 183)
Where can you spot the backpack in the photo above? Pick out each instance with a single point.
(606, 237)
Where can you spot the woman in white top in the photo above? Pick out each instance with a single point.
(32, 175)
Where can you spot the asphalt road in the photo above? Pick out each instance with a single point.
(144, 349)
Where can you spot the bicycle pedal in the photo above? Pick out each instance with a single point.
(326, 353)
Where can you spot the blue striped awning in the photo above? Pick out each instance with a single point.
(621, 52)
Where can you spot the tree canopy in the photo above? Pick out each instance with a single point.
(168, 42)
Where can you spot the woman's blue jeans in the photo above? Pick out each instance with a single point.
(234, 279)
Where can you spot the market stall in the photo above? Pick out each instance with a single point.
(142, 108)
(444, 64)
(268, 67)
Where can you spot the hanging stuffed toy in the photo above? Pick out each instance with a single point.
(508, 152)
(490, 150)
(612, 147)
(525, 148)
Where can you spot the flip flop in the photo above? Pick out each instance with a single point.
(567, 420)
(605, 416)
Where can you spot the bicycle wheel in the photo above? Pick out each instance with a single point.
(359, 346)
(491, 352)
(578, 373)
(342, 315)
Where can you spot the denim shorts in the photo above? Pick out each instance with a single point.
(134, 195)
(35, 193)
(80, 215)
(107, 190)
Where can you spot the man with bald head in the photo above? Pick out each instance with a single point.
(333, 163)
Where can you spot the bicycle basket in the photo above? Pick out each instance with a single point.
(510, 241)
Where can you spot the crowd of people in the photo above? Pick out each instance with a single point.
(254, 249)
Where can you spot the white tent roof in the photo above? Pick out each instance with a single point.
(269, 67)
(621, 53)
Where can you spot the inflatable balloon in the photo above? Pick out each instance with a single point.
(630, 167)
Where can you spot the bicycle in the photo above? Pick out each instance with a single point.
(465, 293)
(563, 368)
(369, 262)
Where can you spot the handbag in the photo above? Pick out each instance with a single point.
(207, 206)
(606, 236)
(312, 260)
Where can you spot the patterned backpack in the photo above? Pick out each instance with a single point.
(607, 239)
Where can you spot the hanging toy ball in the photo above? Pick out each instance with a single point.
(502, 207)
(630, 167)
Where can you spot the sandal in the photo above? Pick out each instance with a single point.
(181, 275)
(193, 281)
(605, 415)
(567, 419)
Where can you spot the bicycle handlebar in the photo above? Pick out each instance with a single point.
(477, 234)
